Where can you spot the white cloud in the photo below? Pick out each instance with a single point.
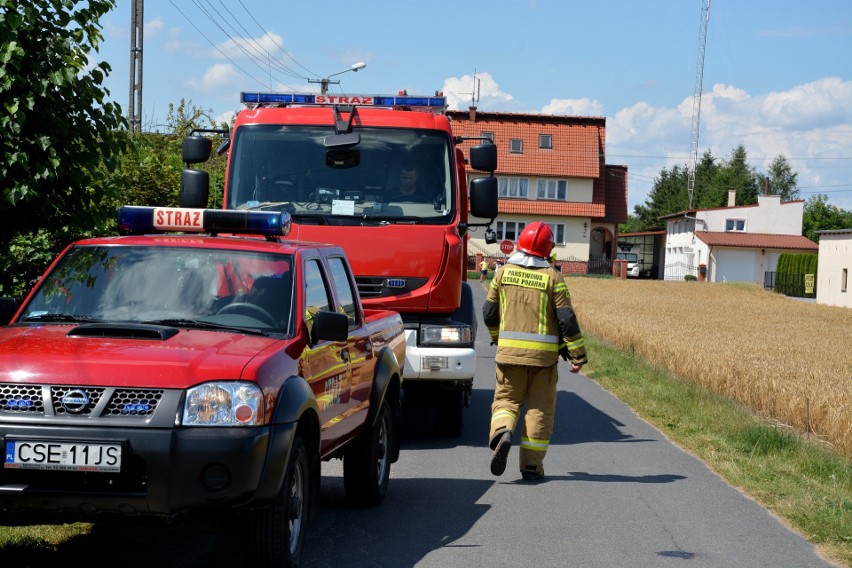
(461, 92)
(818, 104)
(227, 117)
(250, 48)
(219, 76)
(573, 107)
(153, 28)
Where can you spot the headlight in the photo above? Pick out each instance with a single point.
(445, 335)
(223, 404)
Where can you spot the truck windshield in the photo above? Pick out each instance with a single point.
(184, 287)
(392, 174)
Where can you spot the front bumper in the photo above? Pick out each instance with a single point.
(165, 471)
(437, 363)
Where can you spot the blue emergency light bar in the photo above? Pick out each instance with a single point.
(437, 102)
(136, 220)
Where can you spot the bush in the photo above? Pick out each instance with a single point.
(790, 274)
(690, 278)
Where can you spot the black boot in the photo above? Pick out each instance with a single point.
(501, 445)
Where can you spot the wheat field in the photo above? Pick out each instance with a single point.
(783, 358)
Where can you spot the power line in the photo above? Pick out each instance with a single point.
(264, 56)
(234, 42)
(276, 42)
(234, 63)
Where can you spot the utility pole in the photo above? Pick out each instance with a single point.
(134, 109)
(696, 98)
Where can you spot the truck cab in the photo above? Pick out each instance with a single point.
(383, 177)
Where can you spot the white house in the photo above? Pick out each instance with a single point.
(835, 264)
(734, 243)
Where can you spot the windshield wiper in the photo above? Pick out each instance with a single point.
(203, 324)
(71, 318)
(402, 219)
(274, 205)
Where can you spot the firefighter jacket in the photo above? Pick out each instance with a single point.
(529, 316)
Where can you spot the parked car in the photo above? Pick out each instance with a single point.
(634, 265)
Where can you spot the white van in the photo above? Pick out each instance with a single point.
(633, 264)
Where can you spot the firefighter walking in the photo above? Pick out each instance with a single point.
(529, 316)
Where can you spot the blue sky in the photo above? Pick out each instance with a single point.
(777, 75)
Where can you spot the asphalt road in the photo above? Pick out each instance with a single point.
(617, 494)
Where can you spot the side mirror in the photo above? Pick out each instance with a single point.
(329, 326)
(490, 236)
(194, 188)
(483, 157)
(196, 149)
(483, 197)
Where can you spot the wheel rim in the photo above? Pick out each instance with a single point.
(382, 449)
(297, 507)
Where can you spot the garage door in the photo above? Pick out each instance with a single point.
(733, 265)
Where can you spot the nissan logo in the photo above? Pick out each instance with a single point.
(75, 401)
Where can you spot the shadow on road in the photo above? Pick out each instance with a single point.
(418, 516)
(576, 422)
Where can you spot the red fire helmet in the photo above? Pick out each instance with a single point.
(536, 239)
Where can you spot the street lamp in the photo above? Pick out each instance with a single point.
(325, 82)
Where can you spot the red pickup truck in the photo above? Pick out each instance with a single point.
(156, 374)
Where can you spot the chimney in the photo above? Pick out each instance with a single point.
(732, 197)
(472, 113)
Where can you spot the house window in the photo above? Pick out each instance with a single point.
(735, 225)
(545, 141)
(509, 230)
(558, 232)
(516, 146)
(844, 279)
(489, 135)
(556, 189)
(513, 187)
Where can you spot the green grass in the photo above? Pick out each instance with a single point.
(37, 539)
(800, 480)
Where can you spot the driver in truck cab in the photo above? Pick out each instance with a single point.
(410, 185)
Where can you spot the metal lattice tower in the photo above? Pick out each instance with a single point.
(134, 110)
(696, 98)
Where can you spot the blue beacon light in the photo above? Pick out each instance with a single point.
(136, 220)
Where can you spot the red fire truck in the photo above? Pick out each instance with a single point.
(383, 177)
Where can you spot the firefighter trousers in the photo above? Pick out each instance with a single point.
(535, 386)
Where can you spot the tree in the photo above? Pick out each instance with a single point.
(706, 173)
(734, 174)
(669, 195)
(781, 179)
(148, 173)
(61, 136)
(819, 215)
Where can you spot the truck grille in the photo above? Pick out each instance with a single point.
(21, 399)
(381, 286)
(71, 401)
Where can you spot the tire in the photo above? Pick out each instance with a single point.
(366, 465)
(449, 413)
(278, 531)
